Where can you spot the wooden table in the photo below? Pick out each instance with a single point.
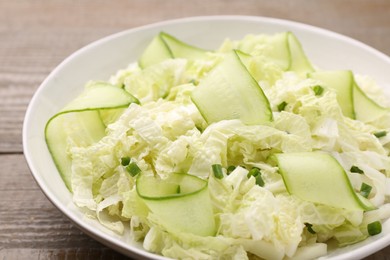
(35, 36)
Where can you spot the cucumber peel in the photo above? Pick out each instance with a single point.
(180, 202)
(81, 122)
(164, 46)
(230, 92)
(318, 177)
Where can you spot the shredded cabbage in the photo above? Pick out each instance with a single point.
(167, 134)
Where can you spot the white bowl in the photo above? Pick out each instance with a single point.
(103, 58)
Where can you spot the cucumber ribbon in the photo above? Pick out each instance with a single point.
(181, 202)
(81, 123)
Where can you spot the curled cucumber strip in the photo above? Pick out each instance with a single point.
(318, 177)
(81, 124)
(180, 202)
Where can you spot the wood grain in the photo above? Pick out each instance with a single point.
(35, 36)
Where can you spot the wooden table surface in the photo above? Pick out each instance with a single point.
(36, 35)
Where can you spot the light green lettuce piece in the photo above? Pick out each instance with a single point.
(357, 136)
(189, 246)
(330, 130)
(142, 133)
(271, 54)
(119, 77)
(110, 221)
(349, 234)
(295, 125)
(264, 70)
(312, 251)
(372, 90)
(273, 48)
(301, 99)
(325, 134)
(253, 214)
(329, 222)
(156, 81)
(230, 142)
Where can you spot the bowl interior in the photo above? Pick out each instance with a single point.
(101, 59)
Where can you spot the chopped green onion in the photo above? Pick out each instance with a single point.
(380, 134)
(310, 228)
(282, 106)
(259, 180)
(125, 160)
(255, 172)
(374, 228)
(217, 170)
(356, 169)
(178, 190)
(230, 169)
(318, 90)
(365, 190)
(133, 169)
(194, 82)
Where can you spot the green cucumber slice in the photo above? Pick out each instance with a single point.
(286, 51)
(343, 83)
(156, 52)
(319, 178)
(180, 202)
(299, 63)
(80, 122)
(278, 52)
(230, 92)
(181, 49)
(353, 101)
(101, 96)
(84, 128)
(366, 109)
(165, 46)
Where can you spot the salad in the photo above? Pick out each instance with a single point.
(244, 152)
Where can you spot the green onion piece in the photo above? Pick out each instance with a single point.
(217, 170)
(178, 189)
(259, 180)
(282, 106)
(365, 190)
(374, 228)
(356, 170)
(125, 160)
(380, 134)
(133, 169)
(310, 228)
(230, 169)
(255, 172)
(318, 90)
(194, 82)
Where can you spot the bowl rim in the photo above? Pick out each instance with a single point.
(104, 237)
